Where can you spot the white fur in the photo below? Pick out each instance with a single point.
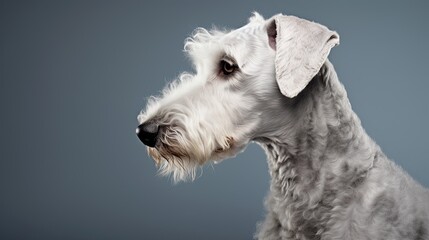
(329, 178)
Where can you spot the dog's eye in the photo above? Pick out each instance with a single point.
(227, 68)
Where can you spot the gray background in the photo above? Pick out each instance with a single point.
(75, 74)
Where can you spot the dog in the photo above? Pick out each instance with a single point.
(271, 82)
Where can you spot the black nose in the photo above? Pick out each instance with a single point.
(147, 133)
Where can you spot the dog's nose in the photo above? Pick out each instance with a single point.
(148, 133)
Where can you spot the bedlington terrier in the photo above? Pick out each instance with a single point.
(270, 82)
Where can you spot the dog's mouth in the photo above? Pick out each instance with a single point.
(181, 158)
(170, 149)
(168, 152)
(229, 144)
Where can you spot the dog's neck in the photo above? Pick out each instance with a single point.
(325, 149)
(318, 122)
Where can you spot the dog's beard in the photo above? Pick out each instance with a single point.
(176, 156)
(172, 162)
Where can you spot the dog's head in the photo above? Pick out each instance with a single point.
(244, 82)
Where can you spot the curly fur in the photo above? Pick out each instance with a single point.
(329, 179)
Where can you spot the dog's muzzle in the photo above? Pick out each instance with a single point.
(147, 132)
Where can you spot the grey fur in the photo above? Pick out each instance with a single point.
(329, 178)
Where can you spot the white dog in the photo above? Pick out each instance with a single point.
(271, 82)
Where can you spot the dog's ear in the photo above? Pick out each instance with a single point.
(301, 49)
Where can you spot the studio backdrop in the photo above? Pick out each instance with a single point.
(74, 75)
